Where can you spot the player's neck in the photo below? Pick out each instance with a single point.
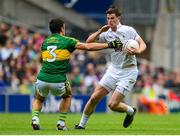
(114, 28)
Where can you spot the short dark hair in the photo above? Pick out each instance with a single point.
(55, 25)
(113, 10)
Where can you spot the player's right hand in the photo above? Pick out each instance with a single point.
(104, 28)
(115, 44)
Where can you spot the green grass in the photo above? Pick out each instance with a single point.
(99, 124)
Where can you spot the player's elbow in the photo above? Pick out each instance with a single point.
(89, 40)
(144, 47)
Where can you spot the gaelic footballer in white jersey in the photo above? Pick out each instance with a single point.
(121, 74)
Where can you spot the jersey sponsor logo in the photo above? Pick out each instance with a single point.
(52, 40)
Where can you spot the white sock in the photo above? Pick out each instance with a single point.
(83, 120)
(130, 110)
(62, 123)
(35, 120)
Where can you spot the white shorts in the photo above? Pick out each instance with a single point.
(43, 88)
(119, 80)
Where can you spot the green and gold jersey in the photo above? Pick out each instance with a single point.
(56, 51)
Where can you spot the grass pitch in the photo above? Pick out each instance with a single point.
(99, 124)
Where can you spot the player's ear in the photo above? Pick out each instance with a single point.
(63, 30)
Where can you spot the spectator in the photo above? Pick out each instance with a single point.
(76, 80)
(90, 79)
(3, 84)
(150, 100)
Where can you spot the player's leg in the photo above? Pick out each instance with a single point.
(106, 85)
(126, 81)
(64, 107)
(90, 106)
(36, 108)
(116, 104)
(40, 95)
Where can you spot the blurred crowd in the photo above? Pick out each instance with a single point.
(20, 61)
(159, 89)
(19, 58)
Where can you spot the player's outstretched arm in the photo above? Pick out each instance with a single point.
(93, 37)
(98, 46)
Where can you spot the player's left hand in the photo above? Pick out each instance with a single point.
(131, 51)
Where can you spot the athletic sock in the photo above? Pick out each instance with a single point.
(62, 118)
(35, 113)
(84, 120)
(35, 116)
(130, 110)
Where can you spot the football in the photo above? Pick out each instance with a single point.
(132, 44)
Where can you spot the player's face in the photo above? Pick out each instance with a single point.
(112, 20)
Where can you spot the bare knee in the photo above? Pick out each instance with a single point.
(66, 96)
(98, 94)
(39, 97)
(113, 105)
(68, 92)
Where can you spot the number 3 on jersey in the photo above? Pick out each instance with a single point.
(51, 50)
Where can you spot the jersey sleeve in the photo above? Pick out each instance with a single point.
(101, 38)
(72, 44)
(134, 34)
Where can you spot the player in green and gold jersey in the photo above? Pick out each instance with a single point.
(56, 51)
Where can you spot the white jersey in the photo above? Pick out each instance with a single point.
(119, 59)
